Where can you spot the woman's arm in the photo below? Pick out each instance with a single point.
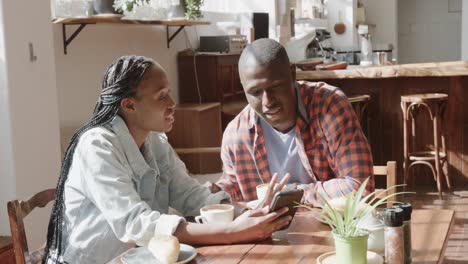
(253, 225)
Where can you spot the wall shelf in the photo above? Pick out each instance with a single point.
(117, 19)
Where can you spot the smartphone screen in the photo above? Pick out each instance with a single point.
(287, 198)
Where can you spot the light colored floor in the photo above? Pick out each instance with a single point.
(457, 247)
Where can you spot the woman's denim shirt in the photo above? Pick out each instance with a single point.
(117, 196)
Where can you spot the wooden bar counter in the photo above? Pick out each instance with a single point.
(385, 85)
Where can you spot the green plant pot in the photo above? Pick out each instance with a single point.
(351, 250)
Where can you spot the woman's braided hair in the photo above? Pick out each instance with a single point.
(120, 81)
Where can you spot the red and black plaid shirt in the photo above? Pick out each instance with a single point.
(331, 146)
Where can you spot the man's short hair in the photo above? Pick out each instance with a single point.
(263, 52)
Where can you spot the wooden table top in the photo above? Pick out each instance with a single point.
(307, 238)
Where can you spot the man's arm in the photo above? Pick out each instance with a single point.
(228, 182)
(350, 155)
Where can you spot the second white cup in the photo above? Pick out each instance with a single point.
(262, 190)
(216, 213)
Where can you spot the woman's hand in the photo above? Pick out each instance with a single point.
(258, 224)
(273, 188)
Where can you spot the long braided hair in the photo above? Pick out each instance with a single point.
(120, 81)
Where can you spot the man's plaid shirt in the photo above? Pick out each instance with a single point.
(332, 147)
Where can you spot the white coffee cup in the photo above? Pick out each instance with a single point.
(216, 213)
(262, 190)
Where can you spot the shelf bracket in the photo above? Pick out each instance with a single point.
(67, 41)
(171, 37)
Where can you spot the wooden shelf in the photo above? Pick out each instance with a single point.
(117, 19)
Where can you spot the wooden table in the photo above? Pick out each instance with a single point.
(306, 239)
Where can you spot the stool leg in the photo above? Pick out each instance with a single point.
(412, 113)
(436, 149)
(444, 150)
(413, 130)
(405, 146)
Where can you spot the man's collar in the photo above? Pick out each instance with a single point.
(303, 114)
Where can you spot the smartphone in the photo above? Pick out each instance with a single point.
(290, 198)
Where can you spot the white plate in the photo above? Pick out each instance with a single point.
(143, 255)
(252, 204)
(330, 258)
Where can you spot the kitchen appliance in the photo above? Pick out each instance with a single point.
(260, 24)
(318, 46)
(382, 57)
(223, 44)
(366, 45)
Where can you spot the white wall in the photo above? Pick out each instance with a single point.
(464, 45)
(347, 10)
(7, 180)
(227, 7)
(383, 14)
(79, 73)
(427, 32)
(29, 137)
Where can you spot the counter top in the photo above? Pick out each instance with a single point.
(439, 69)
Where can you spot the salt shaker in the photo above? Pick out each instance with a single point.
(394, 239)
(407, 210)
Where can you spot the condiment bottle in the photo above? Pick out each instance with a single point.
(394, 240)
(407, 210)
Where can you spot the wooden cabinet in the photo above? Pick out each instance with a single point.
(207, 78)
(196, 136)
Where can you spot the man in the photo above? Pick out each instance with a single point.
(308, 130)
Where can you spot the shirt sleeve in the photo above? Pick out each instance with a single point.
(228, 181)
(187, 195)
(109, 187)
(349, 155)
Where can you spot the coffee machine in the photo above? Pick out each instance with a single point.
(319, 47)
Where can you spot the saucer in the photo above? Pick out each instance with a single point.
(143, 255)
(330, 258)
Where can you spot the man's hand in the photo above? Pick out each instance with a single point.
(258, 224)
(273, 188)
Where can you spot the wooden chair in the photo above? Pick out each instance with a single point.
(17, 211)
(390, 173)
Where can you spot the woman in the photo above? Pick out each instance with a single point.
(120, 175)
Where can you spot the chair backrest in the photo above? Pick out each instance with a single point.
(17, 211)
(390, 172)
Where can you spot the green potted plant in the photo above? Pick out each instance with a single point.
(127, 5)
(192, 9)
(350, 239)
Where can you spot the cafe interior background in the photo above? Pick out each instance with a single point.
(46, 94)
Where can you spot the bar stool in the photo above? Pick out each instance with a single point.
(360, 103)
(435, 104)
